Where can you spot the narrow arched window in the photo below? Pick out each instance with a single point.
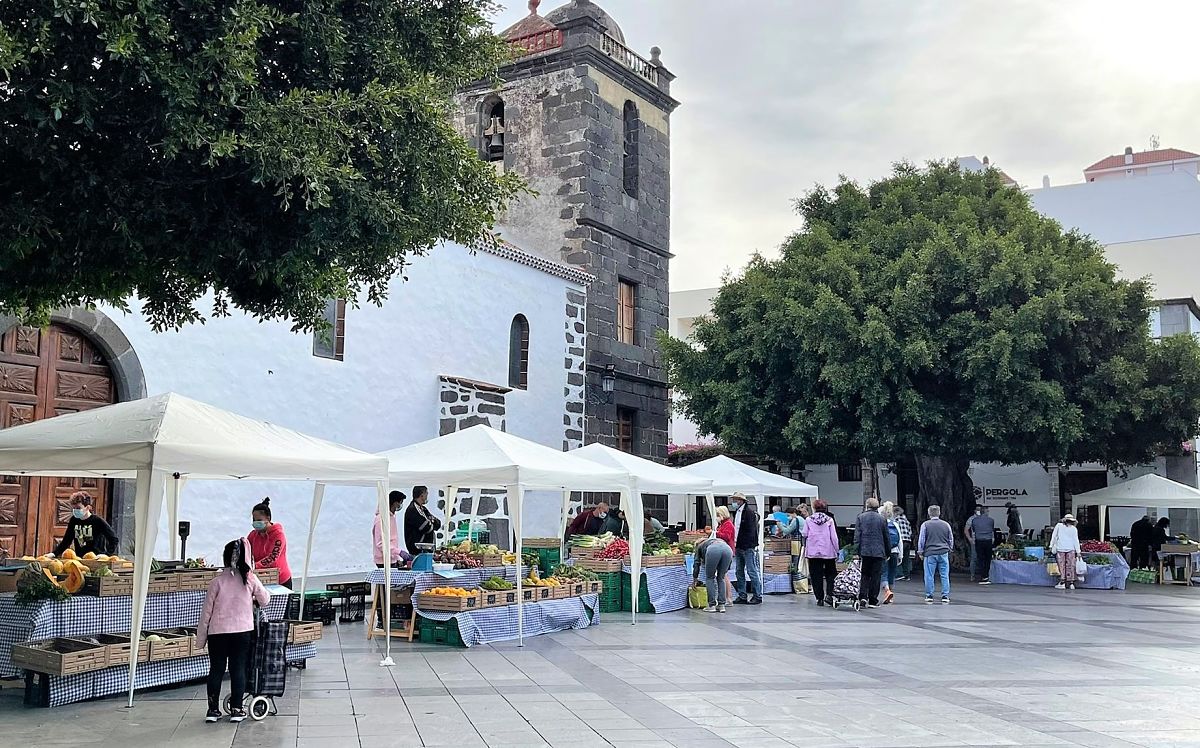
(518, 353)
(629, 162)
(491, 120)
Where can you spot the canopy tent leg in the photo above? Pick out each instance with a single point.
(516, 500)
(562, 527)
(632, 499)
(174, 489)
(385, 525)
(147, 508)
(762, 537)
(318, 497)
(712, 513)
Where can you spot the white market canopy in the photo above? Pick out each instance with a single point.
(1146, 491)
(729, 476)
(162, 441)
(481, 457)
(647, 476)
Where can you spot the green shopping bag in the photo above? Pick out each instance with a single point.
(697, 596)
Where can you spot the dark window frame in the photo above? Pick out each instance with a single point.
(330, 341)
(849, 472)
(627, 333)
(627, 419)
(631, 129)
(518, 353)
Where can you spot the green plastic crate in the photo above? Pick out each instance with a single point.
(644, 605)
(548, 559)
(610, 594)
(430, 631)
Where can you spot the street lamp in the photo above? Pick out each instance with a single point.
(608, 383)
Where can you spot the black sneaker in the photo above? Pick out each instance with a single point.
(754, 601)
(740, 601)
(237, 715)
(820, 603)
(213, 715)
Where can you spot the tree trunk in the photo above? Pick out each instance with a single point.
(946, 482)
(870, 485)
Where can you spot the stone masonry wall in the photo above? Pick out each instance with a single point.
(464, 403)
(575, 362)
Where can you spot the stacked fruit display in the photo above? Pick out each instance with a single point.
(497, 584)
(450, 591)
(1097, 546)
(460, 559)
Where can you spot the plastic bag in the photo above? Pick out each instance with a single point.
(698, 596)
(1080, 567)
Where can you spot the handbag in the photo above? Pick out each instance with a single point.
(697, 596)
(1080, 568)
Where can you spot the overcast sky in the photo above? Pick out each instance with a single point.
(779, 95)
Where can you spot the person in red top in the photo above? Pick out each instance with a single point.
(268, 544)
(725, 526)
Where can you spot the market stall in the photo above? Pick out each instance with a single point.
(1036, 566)
(729, 476)
(667, 588)
(1143, 492)
(155, 439)
(480, 457)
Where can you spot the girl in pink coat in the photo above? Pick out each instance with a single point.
(225, 626)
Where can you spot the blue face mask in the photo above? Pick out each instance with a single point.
(258, 524)
(79, 513)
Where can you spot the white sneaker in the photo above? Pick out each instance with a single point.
(721, 608)
(1060, 586)
(711, 609)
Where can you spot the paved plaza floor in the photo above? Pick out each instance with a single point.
(1000, 666)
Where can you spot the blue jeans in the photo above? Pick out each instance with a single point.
(939, 563)
(747, 563)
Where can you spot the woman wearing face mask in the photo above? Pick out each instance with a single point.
(268, 544)
(420, 526)
(86, 532)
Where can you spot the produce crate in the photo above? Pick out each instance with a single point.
(488, 560)
(692, 536)
(189, 633)
(430, 631)
(303, 632)
(574, 589)
(777, 545)
(169, 647)
(778, 564)
(497, 598)
(610, 592)
(448, 603)
(600, 565)
(1180, 548)
(532, 543)
(60, 656)
(197, 651)
(561, 592)
(267, 576)
(196, 580)
(644, 605)
(659, 562)
(160, 583)
(548, 558)
(592, 587)
(110, 586)
(92, 564)
(118, 646)
(318, 606)
(536, 594)
(580, 552)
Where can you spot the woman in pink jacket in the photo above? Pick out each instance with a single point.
(821, 550)
(225, 626)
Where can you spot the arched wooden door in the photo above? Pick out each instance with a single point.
(46, 373)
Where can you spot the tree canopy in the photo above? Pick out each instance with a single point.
(935, 315)
(279, 153)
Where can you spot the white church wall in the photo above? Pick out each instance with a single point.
(451, 317)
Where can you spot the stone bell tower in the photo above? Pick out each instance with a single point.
(585, 121)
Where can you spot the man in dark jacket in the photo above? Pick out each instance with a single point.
(1014, 521)
(589, 521)
(745, 552)
(420, 526)
(1140, 534)
(874, 546)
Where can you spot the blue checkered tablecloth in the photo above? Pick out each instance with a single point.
(667, 587)
(81, 615)
(425, 580)
(115, 680)
(777, 583)
(500, 624)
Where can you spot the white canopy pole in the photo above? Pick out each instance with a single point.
(147, 507)
(385, 525)
(632, 500)
(564, 520)
(762, 532)
(174, 489)
(318, 497)
(712, 513)
(516, 500)
(451, 494)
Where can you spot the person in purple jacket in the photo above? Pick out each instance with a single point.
(225, 627)
(821, 549)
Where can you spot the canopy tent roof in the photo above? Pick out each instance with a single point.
(730, 476)
(482, 457)
(180, 435)
(648, 477)
(1148, 490)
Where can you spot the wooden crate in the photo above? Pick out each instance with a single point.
(448, 603)
(267, 576)
(162, 583)
(778, 564)
(593, 587)
(93, 564)
(488, 560)
(540, 542)
(1179, 548)
(118, 646)
(600, 565)
(537, 594)
(777, 545)
(195, 580)
(184, 631)
(497, 598)
(169, 647)
(303, 632)
(692, 536)
(61, 656)
(561, 592)
(575, 552)
(113, 585)
(575, 589)
(660, 562)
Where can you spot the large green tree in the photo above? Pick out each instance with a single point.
(278, 152)
(935, 316)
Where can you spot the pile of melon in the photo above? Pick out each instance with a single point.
(70, 566)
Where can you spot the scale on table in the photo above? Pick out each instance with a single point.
(423, 561)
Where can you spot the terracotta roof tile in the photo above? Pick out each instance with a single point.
(1141, 159)
(530, 24)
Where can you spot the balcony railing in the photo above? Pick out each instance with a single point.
(629, 59)
(532, 44)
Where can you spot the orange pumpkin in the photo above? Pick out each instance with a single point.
(69, 554)
(74, 582)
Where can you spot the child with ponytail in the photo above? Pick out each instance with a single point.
(225, 627)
